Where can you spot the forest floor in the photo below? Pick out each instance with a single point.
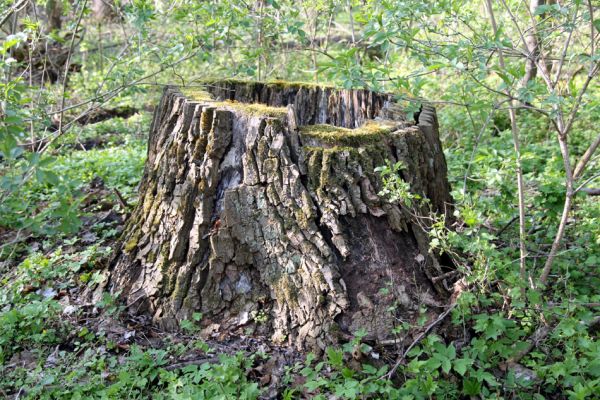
(61, 337)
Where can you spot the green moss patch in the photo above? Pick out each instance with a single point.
(297, 84)
(254, 109)
(371, 131)
(196, 94)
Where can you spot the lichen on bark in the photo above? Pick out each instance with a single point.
(264, 197)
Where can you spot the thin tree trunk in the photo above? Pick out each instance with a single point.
(516, 141)
(531, 46)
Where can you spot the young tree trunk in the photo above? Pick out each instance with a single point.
(263, 219)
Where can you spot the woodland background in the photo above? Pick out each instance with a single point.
(515, 84)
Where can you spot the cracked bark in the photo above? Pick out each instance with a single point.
(250, 210)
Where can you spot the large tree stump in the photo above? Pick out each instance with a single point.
(255, 213)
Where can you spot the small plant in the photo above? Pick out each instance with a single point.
(395, 188)
(260, 316)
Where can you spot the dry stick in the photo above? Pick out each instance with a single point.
(538, 336)
(507, 225)
(515, 133)
(542, 332)
(445, 275)
(122, 201)
(418, 339)
(67, 65)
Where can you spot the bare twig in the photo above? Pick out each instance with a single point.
(122, 201)
(586, 158)
(18, 6)
(584, 184)
(67, 65)
(418, 339)
(508, 224)
(534, 340)
(516, 142)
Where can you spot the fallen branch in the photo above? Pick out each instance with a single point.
(538, 336)
(449, 274)
(541, 334)
(126, 207)
(418, 339)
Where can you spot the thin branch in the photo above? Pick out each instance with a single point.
(582, 186)
(67, 65)
(516, 142)
(108, 95)
(476, 145)
(418, 339)
(563, 56)
(18, 6)
(586, 158)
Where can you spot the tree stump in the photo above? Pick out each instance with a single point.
(259, 208)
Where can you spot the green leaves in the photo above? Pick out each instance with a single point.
(441, 356)
(547, 8)
(492, 326)
(335, 357)
(12, 41)
(461, 365)
(394, 187)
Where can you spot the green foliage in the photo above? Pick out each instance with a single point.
(51, 203)
(443, 51)
(30, 312)
(395, 188)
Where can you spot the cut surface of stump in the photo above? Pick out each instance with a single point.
(259, 208)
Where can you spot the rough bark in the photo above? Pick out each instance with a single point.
(265, 222)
